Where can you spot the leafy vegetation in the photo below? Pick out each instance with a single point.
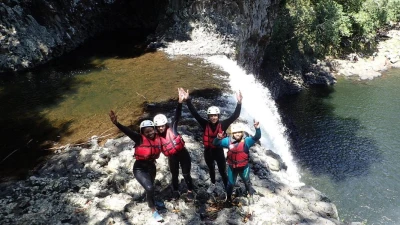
(318, 28)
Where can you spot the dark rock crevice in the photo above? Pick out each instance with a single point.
(36, 31)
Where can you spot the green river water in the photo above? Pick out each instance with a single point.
(346, 143)
(67, 100)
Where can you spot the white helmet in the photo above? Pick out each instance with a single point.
(237, 127)
(160, 119)
(213, 110)
(146, 123)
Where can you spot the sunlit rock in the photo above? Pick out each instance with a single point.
(115, 202)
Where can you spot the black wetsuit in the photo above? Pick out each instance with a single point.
(143, 170)
(215, 154)
(182, 157)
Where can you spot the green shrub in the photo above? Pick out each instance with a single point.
(372, 15)
(393, 10)
(330, 25)
(317, 28)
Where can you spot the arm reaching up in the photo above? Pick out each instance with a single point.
(136, 137)
(257, 136)
(113, 117)
(185, 95)
(226, 123)
(221, 140)
(178, 112)
(256, 124)
(239, 97)
(221, 135)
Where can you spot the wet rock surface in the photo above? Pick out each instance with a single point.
(95, 185)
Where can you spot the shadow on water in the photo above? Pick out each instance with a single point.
(324, 143)
(25, 132)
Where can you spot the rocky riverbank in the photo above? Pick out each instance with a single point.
(387, 56)
(94, 184)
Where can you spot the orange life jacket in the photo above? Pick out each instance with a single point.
(171, 144)
(209, 135)
(148, 150)
(236, 156)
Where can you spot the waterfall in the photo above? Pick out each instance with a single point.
(213, 33)
(258, 104)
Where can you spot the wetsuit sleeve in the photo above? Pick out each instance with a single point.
(226, 123)
(136, 137)
(224, 142)
(203, 122)
(178, 114)
(250, 141)
(257, 136)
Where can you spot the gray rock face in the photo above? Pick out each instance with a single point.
(33, 32)
(239, 29)
(95, 185)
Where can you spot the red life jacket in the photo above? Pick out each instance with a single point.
(148, 150)
(171, 144)
(236, 156)
(209, 135)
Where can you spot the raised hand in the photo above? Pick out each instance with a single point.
(185, 94)
(113, 117)
(221, 135)
(239, 96)
(256, 124)
(181, 95)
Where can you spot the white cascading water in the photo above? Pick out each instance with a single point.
(258, 104)
(257, 101)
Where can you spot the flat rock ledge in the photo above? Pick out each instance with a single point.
(367, 68)
(95, 185)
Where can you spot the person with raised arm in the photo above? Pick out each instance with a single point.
(212, 125)
(238, 156)
(173, 146)
(147, 150)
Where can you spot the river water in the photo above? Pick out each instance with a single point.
(346, 144)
